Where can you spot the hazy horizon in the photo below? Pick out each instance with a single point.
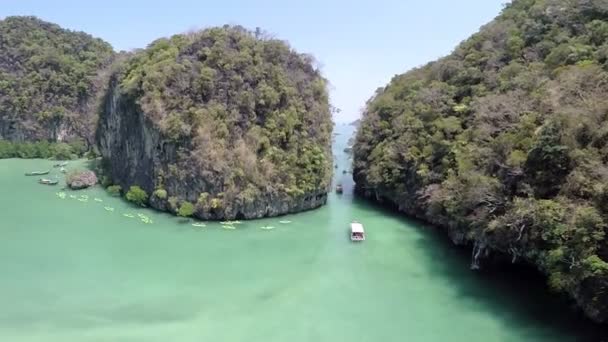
(359, 45)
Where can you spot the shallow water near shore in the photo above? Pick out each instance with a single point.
(74, 271)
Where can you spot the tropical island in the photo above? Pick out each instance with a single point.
(224, 120)
(503, 144)
(228, 122)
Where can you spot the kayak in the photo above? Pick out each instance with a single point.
(230, 223)
(47, 181)
(37, 173)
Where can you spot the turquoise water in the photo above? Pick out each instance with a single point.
(72, 271)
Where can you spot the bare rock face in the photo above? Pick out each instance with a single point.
(81, 180)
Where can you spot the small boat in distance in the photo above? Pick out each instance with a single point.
(47, 181)
(339, 189)
(38, 173)
(63, 164)
(357, 233)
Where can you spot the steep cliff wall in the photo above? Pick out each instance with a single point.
(233, 123)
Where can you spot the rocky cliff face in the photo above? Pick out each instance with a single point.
(219, 131)
(502, 143)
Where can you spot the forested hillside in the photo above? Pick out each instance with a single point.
(50, 81)
(504, 144)
(224, 120)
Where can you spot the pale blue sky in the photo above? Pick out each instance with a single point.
(359, 44)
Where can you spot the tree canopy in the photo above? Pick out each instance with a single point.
(239, 116)
(50, 79)
(505, 142)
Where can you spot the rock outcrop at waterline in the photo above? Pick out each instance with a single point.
(503, 143)
(50, 81)
(232, 122)
(78, 180)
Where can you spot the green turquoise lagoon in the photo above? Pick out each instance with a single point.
(75, 268)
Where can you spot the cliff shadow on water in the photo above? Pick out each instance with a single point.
(517, 293)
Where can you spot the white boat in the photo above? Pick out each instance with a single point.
(357, 233)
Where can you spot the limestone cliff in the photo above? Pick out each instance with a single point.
(503, 143)
(237, 124)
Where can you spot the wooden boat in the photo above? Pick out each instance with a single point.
(357, 233)
(38, 173)
(47, 181)
(339, 189)
(63, 164)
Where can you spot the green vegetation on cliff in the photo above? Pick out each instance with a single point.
(504, 143)
(49, 80)
(42, 149)
(137, 195)
(240, 118)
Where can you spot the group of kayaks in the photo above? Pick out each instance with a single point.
(143, 218)
(229, 225)
(45, 181)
